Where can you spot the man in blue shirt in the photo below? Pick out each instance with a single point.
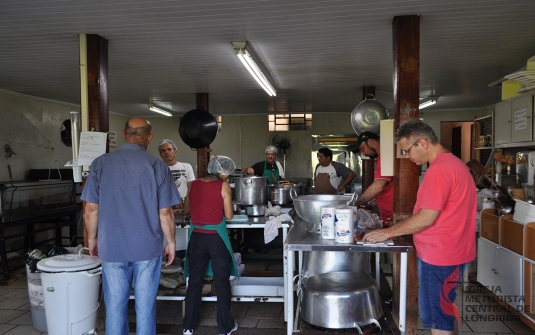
(129, 196)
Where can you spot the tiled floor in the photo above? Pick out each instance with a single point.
(479, 312)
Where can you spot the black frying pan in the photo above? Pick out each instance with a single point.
(198, 128)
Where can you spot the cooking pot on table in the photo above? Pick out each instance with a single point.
(198, 128)
(367, 115)
(256, 210)
(278, 194)
(236, 207)
(250, 190)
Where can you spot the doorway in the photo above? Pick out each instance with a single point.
(456, 136)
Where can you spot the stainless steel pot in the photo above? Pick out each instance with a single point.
(256, 210)
(299, 188)
(279, 195)
(250, 190)
(284, 196)
(340, 300)
(308, 207)
(318, 262)
(236, 207)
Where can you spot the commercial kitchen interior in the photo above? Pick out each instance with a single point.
(320, 53)
(479, 312)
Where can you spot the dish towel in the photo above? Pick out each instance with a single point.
(271, 229)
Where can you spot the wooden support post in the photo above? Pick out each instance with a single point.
(97, 83)
(406, 78)
(97, 107)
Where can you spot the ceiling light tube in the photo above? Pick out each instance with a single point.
(255, 67)
(428, 103)
(159, 110)
(255, 72)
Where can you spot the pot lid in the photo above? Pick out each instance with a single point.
(68, 263)
(198, 128)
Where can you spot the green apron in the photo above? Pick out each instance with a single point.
(268, 174)
(222, 231)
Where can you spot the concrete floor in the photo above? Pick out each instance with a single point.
(479, 312)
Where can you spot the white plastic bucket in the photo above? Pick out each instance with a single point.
(327, 222)
(344, 225)
(37, 300)
(71, 289)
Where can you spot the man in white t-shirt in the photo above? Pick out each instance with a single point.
(182, 172)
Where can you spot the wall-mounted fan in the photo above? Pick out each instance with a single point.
(283, 144)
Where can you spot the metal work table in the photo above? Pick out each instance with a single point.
(252, 222)
(299, 239)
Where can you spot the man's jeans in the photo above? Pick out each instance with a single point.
(117, 279)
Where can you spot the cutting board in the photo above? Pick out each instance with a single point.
(240, 217)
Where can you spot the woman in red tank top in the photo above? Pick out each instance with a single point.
(209, 202)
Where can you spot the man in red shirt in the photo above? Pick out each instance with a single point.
(443, 224)
(382, 188)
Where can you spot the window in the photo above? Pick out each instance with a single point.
(285, 122)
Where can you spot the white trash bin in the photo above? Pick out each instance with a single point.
(37, 301)
(70, 288)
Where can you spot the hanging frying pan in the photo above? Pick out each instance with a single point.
(198, 128)
(65, 131)
(367, 115)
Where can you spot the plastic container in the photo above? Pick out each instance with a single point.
(524, 212)
(71, 288)
(344, 225)
(327, 223)
(37, 300)
(487, 203)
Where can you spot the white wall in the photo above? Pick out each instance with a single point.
(31, 126)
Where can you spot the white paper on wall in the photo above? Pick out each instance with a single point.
(92, 145)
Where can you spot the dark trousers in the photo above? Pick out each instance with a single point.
(204, 247)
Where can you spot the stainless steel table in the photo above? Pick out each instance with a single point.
(252, 222)
(299, 239)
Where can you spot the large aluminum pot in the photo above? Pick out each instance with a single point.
(298, 188)
(367, 115)
(308, 206)
(279, 194)
(250, 190)
(285, 192)
(318, 262)
(340, 300)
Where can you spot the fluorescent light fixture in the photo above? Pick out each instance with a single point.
(254, 65)
(159, 110)
(429, 102)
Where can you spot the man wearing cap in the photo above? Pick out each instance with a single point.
(382, 188)
(182, 172)
(270, 168)
(331, 177)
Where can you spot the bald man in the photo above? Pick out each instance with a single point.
(129, 196)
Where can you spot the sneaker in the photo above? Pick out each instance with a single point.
(233, 329)
(187, 332)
